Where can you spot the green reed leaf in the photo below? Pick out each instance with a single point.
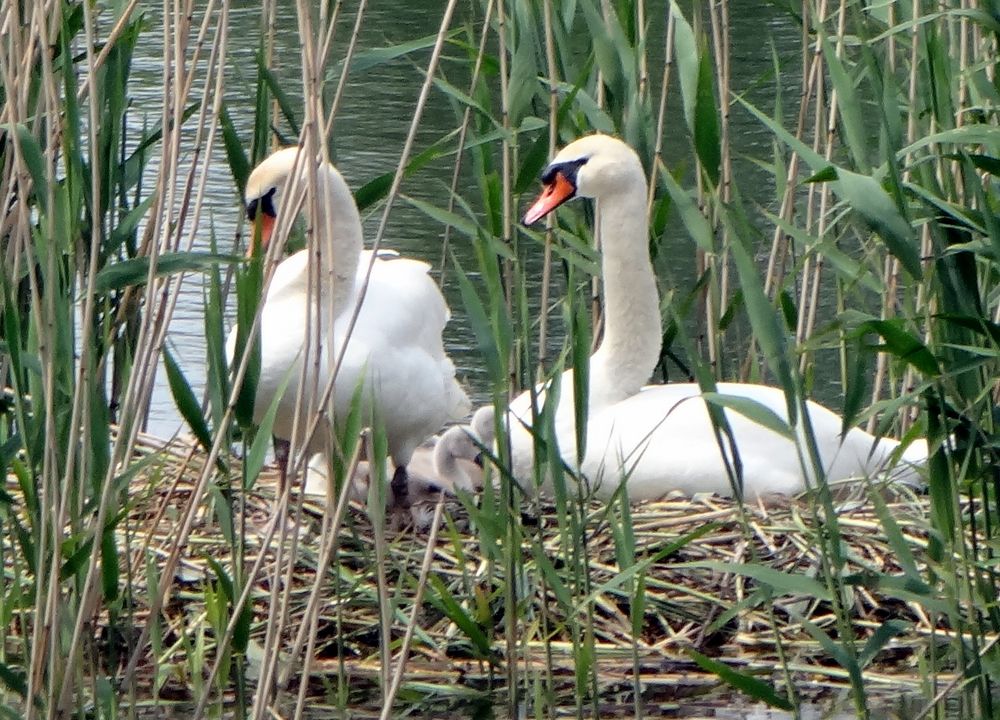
(454, 611)
(752, 410)
(707, 135)
(885, 632)
(186, 401)
(285, 103)
(848, 106)
(135, 271)
(902, 344)
(253, 463)
(445, 217)
(688, 63)
(110, 563)
(532, 163)
(239, 165)
(14, 679)
(839, 652)
(694, 221)
(33, 158)
(782, 582)
(870, 200)
(377, 188)
(746, 684)
(129, 224)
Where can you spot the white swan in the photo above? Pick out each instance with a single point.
(448, 463)
(395, 350)
(660, 438)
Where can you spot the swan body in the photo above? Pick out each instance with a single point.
(394, 353)
(660, 438)
(394, 349)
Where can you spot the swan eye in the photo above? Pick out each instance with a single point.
(433, 488)
(478, 459)
(568, 169)
(265, 203)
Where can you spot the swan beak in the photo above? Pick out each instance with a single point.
(555, 193)
(266, 229)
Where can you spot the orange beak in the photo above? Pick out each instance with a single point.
(266, 229)
(553, 195)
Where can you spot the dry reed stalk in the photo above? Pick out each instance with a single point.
(813, 272)
(312, 72)
(138, 390)
(462, 133)
(308, 397)
(661, 113)
(774, 275)
(719, 23)
(510, 628)
(404, 651)
(705, 262)
(51, 535)
(506, 266)
(892, 268)
(352, 45)
(553, 78)
(62, 677)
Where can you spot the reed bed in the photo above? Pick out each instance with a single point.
(704, 590)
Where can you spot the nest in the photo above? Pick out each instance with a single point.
(638, 586)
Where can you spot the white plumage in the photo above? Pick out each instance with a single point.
(395, 351)
(660, 438)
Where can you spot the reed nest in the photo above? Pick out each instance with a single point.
(695, 594)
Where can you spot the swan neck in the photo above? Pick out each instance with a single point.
(335, 235)
(632, 333)
(446, 464)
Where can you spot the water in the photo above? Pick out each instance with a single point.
(370, 129)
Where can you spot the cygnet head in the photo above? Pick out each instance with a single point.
(483, 425)
(456, 445)
(594, 166)
(423, 493)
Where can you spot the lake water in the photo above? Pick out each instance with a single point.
(370, 130)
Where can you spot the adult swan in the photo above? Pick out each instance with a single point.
(394, 352)
(660, 438)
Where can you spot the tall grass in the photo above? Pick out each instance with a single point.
(871, 266)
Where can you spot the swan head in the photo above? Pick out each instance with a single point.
(483, 426)
(263, 188)
(594, 166)
(279, 170)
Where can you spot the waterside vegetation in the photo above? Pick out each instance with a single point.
(139, 573)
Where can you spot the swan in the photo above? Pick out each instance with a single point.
(445, 463)
(449, 463)
(660, 438)
(394, 353)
